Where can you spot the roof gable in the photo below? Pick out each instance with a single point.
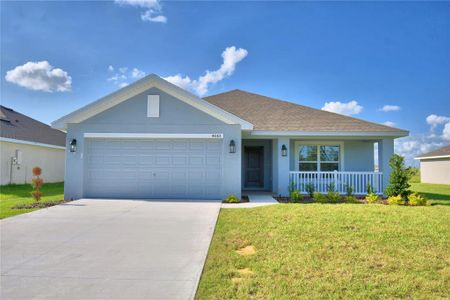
(269, 114)
(140, 86)
(16, 126)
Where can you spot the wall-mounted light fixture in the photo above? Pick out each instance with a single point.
(283, 150)
(232, 146)
(73, 145)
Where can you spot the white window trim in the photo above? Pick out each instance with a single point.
(297, 145)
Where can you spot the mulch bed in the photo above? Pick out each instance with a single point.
(307, 199)
(244, 199)
(38, 204)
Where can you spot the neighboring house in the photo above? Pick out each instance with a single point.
(153, 139)
(26, 143)
(435, 166)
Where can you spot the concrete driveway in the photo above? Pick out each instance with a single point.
(98, 249)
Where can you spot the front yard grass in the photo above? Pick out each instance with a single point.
(436, 193)
(12, 195)
(332, 251)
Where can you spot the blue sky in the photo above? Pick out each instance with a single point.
(374, 54)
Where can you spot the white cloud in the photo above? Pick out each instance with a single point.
(111, 68)
(389, 123)
(231, 57)
(136, 73)
(123, 84)
(40, 76)
(123, 69)
(446, 132)
(388, 108)
(434, 120)
(153, 9)
(349, 108)
(415, 145)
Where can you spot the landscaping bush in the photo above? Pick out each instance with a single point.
(416, 199)
(369, 189)
(396, 200)
(333, 197)
(232, 199)
(310, 189)
(296, 196)
(399, 179)
(371, 198)
(351, 199)
(37, 183)
(348, 190)
(319, 198)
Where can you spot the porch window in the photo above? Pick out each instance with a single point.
(322, 158)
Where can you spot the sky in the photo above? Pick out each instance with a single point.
(385, 62)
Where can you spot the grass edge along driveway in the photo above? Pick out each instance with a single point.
(332, 251)
(11, 195)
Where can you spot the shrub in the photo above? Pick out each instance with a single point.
(371, 198)
(319, 198)
(37, 182)
(369, 189)
(331, 187)
(417, 200)
(333, 197)
(296, 196)
(348, 190)
(232, 199)
(396, 200)
(310, 189)
(351, 199)
(399, 179)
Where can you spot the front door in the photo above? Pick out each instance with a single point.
(254, 167)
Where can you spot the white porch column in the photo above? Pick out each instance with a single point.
(385, 151)
(283, 166)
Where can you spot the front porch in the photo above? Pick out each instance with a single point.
(278, 164)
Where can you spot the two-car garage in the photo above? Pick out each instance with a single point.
(153, 167)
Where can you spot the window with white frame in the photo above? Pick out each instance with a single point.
(319, 157)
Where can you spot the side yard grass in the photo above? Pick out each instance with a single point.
(332, 251)
(12, 195)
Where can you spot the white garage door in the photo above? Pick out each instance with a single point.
(181, 168)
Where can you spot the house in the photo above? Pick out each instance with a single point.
(153, 139)
(435, 166)
(26, 143)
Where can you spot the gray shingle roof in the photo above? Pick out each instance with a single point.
(271, 114)
(14, 125)
(438, 152)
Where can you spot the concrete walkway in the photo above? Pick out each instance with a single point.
(107, 249)
(256, 199)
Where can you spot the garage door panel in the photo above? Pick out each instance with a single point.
(185, 169)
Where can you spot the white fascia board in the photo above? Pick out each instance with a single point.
(9, 140)
(432, 157)
(154, 135)
(329, 133)
(140, 86)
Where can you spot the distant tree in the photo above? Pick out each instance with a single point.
(400, 177)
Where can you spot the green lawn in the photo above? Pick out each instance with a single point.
(436, 193)
(332, 251)
(11, 195)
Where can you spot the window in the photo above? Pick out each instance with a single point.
(318, 157)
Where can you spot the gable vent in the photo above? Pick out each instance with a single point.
(153, 106)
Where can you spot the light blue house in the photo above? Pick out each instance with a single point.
(153, 139)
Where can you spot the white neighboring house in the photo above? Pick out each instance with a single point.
(26, 143)
(435, 166)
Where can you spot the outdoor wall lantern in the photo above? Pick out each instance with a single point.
(73, 145)
(283, 150)
(232, 146)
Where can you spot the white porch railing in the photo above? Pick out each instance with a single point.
(359, 181)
